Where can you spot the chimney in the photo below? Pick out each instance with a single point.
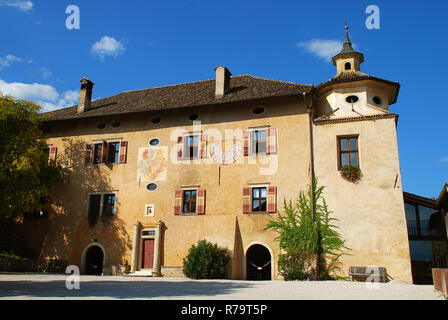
(223, 76)
(85, 95)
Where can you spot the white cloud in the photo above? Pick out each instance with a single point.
(43, 94)
(324, 49)
(107, 46)
(7, 60)
(23, 5)
(444, 159)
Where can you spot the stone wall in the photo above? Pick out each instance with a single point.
(173, 272)
(29, 265)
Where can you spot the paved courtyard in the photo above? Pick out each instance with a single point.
(46, 286)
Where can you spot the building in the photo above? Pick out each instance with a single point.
(427, 229)
(214, 160)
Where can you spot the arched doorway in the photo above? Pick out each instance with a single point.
(94, 261)
(258, 263)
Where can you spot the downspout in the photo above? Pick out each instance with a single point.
(309, 107)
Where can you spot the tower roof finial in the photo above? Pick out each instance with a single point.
(347, 48)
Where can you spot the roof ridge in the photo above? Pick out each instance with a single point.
(179, 84)
(282, 81)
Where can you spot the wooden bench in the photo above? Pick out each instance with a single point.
(363, 273)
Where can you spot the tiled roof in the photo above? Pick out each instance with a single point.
(243, 87)
(350, 76)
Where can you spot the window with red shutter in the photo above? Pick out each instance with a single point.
(178, 202)
(180, 147)
(104, 153)
(246, 200)
(89, 155)
(53, 154)
(200, 202)
(246, 141)
(260, 199)
(272, 141)
(123, 151)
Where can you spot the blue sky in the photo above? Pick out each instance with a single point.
(140, 44)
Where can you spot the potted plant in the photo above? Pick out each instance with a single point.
(351, 173)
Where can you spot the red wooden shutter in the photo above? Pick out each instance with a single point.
(123, 151)
(180, 147)
(272, 199)
(246, 140)
(104, 152)
(53, 154)
(246, 200)
(89, 155)
(178, 202)
(200, 202)
(272, 141)
(203, 146)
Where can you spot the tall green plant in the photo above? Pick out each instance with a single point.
(310, 232)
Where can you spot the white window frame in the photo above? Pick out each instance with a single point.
(262, 185)
(101, 202)
(185, 136)
(251, 132)
(182, 207)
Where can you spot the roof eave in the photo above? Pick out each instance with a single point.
(216, 102)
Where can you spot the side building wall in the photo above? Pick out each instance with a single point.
(371, 213)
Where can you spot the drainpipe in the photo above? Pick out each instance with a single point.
(309, 107)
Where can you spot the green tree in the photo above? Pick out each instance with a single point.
(306, 230)
(26, 178)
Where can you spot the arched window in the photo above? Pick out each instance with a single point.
(348, 66)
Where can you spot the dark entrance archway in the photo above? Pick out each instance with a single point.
(258, 263)
(94, 261)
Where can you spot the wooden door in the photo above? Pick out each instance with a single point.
(148, 254)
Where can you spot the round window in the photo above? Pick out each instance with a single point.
(152, 187)
(193, 117)
(258, 110)
(115, 124)
(352, 99)
(155, 120)
(377, 100)
(102, 125)
(154, 142)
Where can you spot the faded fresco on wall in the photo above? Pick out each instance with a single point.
(152, 164)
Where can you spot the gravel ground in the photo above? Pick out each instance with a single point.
(45, 286)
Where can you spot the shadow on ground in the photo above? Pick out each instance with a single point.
(122, 289)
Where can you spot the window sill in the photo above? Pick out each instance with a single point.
(189, 159)
(259, 212)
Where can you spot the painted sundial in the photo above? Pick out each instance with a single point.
(226, 152)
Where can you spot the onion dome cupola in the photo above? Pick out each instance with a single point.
(348, 59)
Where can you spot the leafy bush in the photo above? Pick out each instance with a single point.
(296, 265)
(206, 261)
(8, 256)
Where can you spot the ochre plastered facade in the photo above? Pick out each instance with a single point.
(370, 213)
